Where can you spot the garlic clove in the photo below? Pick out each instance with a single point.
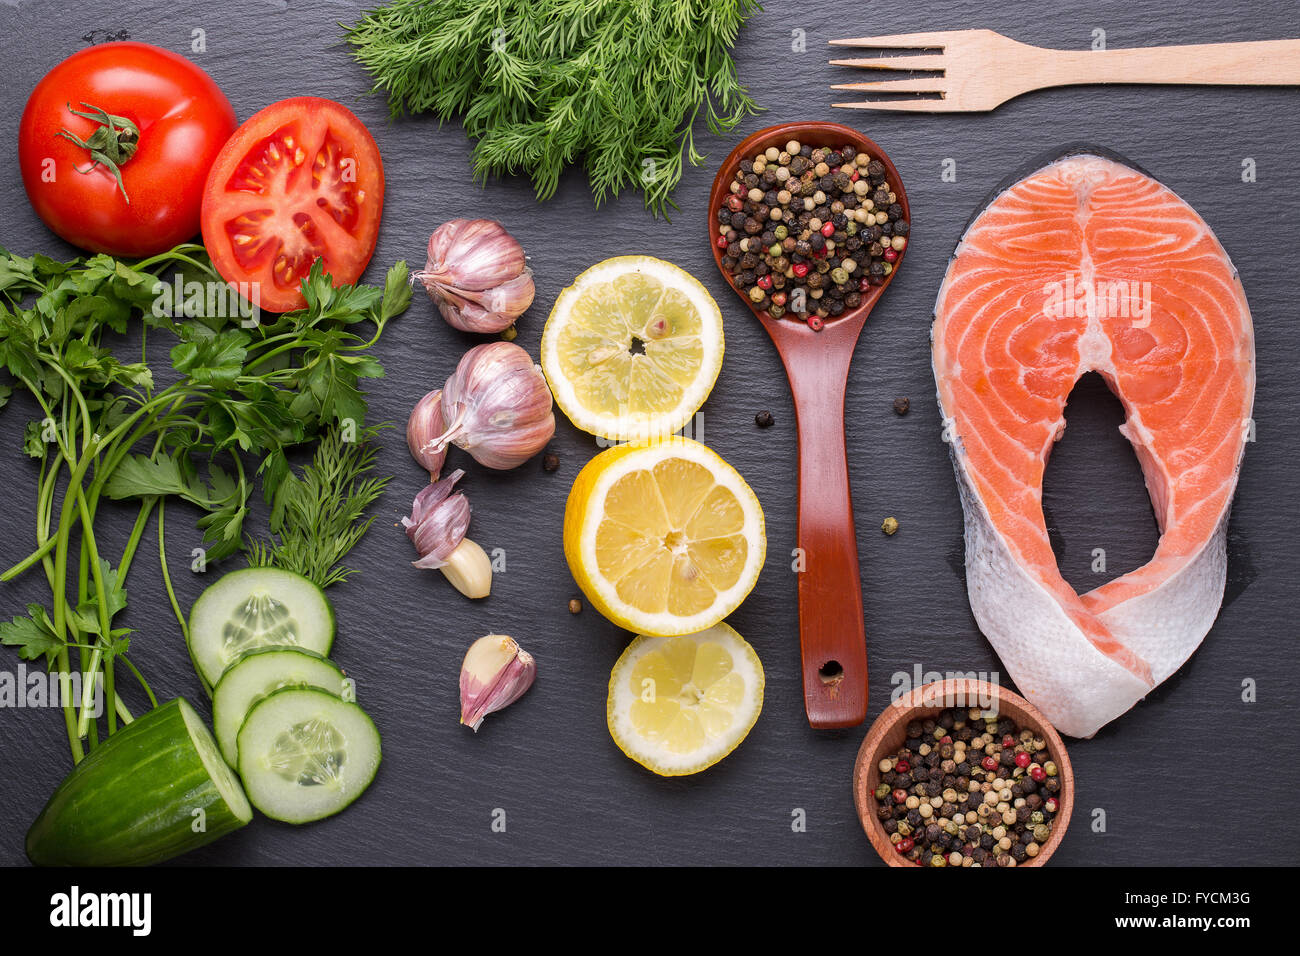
(469, 570)
(423, 426)
(438, 521)
(496, 672)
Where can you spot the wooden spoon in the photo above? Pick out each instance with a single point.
(831, 630)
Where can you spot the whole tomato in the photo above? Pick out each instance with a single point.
(115, 144)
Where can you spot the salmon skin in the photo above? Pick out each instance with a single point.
(1088, 264)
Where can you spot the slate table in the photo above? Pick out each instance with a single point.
(1150, 787)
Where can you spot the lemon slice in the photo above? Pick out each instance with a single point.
(678, 705)
(631, 350)
(665, 538)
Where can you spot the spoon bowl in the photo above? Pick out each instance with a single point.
(832, 634)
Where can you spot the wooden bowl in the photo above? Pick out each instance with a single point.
(832, 633)
(889, 731)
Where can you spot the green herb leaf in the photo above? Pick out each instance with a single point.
(33, 635)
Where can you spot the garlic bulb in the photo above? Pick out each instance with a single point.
(497, 406)
(423, 426)
(496, 673)
(437, 527)
(478, 275)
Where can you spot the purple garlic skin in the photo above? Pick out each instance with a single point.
(496, 673)
(477, 275)
(438, 523)
(498, 406)
(423, 427)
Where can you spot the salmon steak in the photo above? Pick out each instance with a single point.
(1089, 265)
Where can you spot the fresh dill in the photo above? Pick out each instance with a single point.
(319, 514)
(615, 85)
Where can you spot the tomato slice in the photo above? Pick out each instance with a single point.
(301, 180)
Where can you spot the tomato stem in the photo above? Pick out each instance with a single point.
(111, 145)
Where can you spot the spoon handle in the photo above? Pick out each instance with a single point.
(831, 630)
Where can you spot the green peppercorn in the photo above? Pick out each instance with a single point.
(756, 294)
(781, 232)
(839, 275)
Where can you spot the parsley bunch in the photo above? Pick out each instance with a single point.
(109, 429)
(542, 84)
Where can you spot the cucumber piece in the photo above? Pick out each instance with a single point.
(154, 790)
(257, 607)
(258, 673)
(305, 754)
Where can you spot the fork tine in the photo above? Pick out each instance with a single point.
(924, 84)
(930, 62)
(910, 106)
(940, 39)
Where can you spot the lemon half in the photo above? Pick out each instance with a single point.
(663, 539)
(678, 705)
(631, 350)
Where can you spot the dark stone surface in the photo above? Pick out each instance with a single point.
(568, 794)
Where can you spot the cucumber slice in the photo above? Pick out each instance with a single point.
(154, 790)
(305, 754)
(258, 673)
(257, 607)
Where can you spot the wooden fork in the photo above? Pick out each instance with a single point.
(983, 69)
